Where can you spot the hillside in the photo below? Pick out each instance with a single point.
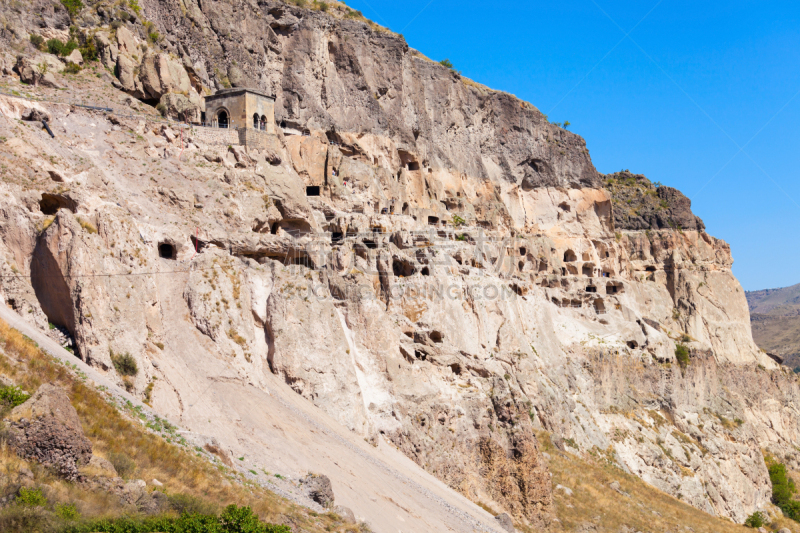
(402, 281)
(775, 318)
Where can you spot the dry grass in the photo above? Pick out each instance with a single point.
(112, 432)
(645, 509)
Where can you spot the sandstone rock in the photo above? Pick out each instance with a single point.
(75, 57)
(127, 42)
(126, 74)
(347, 514)
(179, 107)
(107, 50)
(46, 429)
(35, 115)
(99, 466)
(319, 489)
(504, 521)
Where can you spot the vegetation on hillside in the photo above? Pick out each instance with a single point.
(194, 486)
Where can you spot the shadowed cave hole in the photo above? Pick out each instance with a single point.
(167, 251)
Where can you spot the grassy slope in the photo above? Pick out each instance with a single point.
(111, 431)
(593, 502)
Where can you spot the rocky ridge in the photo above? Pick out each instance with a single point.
(496, 224)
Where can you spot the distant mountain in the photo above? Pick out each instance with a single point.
(775, 319)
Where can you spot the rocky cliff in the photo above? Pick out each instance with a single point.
(464, 279)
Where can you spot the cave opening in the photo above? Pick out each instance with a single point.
(167, 251)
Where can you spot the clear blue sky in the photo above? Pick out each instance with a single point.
(676, 100)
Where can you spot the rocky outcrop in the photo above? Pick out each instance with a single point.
(319, 489)
(640, 205)
(46, 429)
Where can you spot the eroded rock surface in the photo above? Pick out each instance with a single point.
(46, 429)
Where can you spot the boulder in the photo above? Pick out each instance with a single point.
(46, 428)
(319, 489)
(347, 514)
(179, 107)
(38, 70)
(504, 521)
(126, 74)
(107, 50)
(33, 114)
(99, 466)
(127, 42)
(160, 75)
(75, 57)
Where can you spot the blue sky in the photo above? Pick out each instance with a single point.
(701, 96)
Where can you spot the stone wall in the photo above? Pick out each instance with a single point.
(214, 136)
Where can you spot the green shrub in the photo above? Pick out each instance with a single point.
(188, 504)
(755, 520)
(67, 511)
(13, 396)
(134, 5)
(37, 41)
(783, 490)
(57, 48)
(153, 37)
(72, 68)
(446, 63)
(233, 520)
(72, 6)
(682, 355)
(458, 221)
(124, 364)
(31, 498)
(89, 50)
(123, 464)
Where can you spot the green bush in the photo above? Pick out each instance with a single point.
(446, 63)
(458, 221)
(73, 6)
(72, 68)
(188, 504)
(67, 511)
(755, 520)
(56, 47)
(123, 464)
(682, 355)
(13, 396)
(783, 490)
(31, 498)
(134, 5)
(124, 364)
(233, 520)
(37, 41)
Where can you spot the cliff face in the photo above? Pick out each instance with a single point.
(507, 292)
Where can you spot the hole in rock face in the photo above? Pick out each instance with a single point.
(51, 203)
(632, 345)
(337, 237)
(587, 270)
(413, 165)
(564, 206)
(312, 191)
(523, 252)
(591, 288)
(570, 256)
(651, 269)
(167, 251)
(426, 271)
(437, 336)
(433, 221)
(402, 268)
(599, 307)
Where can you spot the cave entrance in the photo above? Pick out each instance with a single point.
(312, 191)
(570, 256)
(167, 251)
(432, 221)
(51, 203)
(337, 237)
